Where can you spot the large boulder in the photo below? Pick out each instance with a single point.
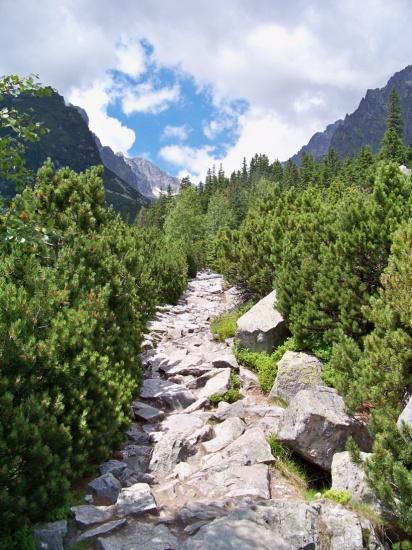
(225, 433)
(350, 476)
(166, 393)
(296, 371)
(406, 416)
(219, 383)
(262, 328)
(50, 536)
(106, 486)
(140, 536)
(316, 426)
(136, 499)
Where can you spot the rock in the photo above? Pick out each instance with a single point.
(342, 529)
(405, 416)
(296, 371)
(248, 378)
(349, 476)
(50, 536)
(295, 521)
(231, 534)
(136, 499)
(316, 426)
(103, 529)
(262, 328)
(405, 170)
(225, 433)
(174, 446)
(162, 391)
(141, 536)
(86, 516)
(200, 403)
(220, 383)
(225, 360)
(249, 448)
(106, 486)
(137, 436)
(143, 411)
(182, 470)
(227, 480)
(114, 467)
(129, 477)
(147, 344)
(137, 457)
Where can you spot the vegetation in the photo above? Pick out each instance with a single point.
(231, 395)
(224, 326)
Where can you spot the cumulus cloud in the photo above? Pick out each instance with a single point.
(189, 160)
(179, 133)
(110, 130)
(144, 98)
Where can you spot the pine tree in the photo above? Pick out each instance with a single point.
(392, 143)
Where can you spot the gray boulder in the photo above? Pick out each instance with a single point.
(103, 529)
(342, 528)
(219, 383)
(406, 416)
(86, 515)
(167, 393)
(50, 536)
(114, 467)
(232, 534)
(106, 486)
(296, 371)
(262, 328)
(316, 426)
(349, 476)
(140, 536)
(145, 412)
(225, 433)
(136, 499)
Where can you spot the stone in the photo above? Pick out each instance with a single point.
(137, 499)
(342, 528)
(145, 412)
(248, 378)
(406, 416)
(106, 486)
(87, 515)
(147, 344)
(165, 392)
(250, 448)
(225, 360)
(230, 534)
(295, 521)
(137, 457)
(115, 467)
(200, 403)
(262, 328)
(137, 436)
(50, 536)
(220, 383)
(316, 426)
(225, 433)
(103, 529)
(174, 446)
(226, 481)
(349, 476)
(296, 371)
(140, 536)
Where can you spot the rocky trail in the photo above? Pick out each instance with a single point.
(196, 476)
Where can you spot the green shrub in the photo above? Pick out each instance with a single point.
(341, 497)
(224, 326)
(230, 396)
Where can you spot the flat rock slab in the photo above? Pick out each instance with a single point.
(226, 481)
(220, 383)
(114, 467)
(143, 411)
(163, 391)
(225, 360)
(137, 499)
(225, 433)
(103, 529)
(230, 534)
(296, 371)
(87, 515)
(250, 448)
(140, 536)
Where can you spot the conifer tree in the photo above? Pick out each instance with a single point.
(392, 143)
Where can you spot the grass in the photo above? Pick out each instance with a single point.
(264, 364)
(224, 326)
(291, 469)
(340, 497)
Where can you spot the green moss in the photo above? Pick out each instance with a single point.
(230, 396)
(341, 497)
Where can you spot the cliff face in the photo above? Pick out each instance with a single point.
(366, 125)
(69, 142)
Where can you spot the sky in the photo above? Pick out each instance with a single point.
(189, 84)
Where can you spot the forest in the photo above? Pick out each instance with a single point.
(78, 286)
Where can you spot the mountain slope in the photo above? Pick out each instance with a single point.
(366, 125)
(69, 142)
(138, 172)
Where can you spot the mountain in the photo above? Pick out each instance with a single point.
(138, 172)
(367, 124)
(69, 142)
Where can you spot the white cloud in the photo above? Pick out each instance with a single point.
(95, 101)
(179, 133)
(130, 58)
(191, 161)
(146, 99)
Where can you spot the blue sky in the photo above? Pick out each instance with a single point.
(192, 83)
